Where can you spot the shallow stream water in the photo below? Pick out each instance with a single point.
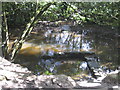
(101, 40)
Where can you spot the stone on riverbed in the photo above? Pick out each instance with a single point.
(15, 76)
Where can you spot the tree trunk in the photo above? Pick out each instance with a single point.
(5, 37)
(18, 43)
(1, 30)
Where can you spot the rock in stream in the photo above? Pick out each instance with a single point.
(15, 76)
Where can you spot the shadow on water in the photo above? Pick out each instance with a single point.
(78, 50)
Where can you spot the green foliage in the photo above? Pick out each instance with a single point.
(59, 11)
(29, 27)
(19, 14)
(104, 13)
(47, 73)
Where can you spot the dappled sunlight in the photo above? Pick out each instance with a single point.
(87, 84)
(59, 45)
(52, 50)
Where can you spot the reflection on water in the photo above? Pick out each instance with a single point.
(79, 39)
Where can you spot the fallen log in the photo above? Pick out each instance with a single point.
(68, 55)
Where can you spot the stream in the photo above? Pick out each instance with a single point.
(98, 40)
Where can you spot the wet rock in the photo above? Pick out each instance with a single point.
(15, 76)
(65, 27)
(112, 79)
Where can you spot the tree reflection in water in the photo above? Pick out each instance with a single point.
(86, 39)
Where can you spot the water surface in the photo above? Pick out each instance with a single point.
(90, 38)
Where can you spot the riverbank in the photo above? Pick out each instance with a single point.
(15, 76)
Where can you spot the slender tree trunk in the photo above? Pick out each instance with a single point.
(5, 37)
(18, 43)
(81, 39)
(1, 30)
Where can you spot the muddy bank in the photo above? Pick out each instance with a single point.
(15, 76)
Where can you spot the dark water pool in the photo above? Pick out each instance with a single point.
(102, 40)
